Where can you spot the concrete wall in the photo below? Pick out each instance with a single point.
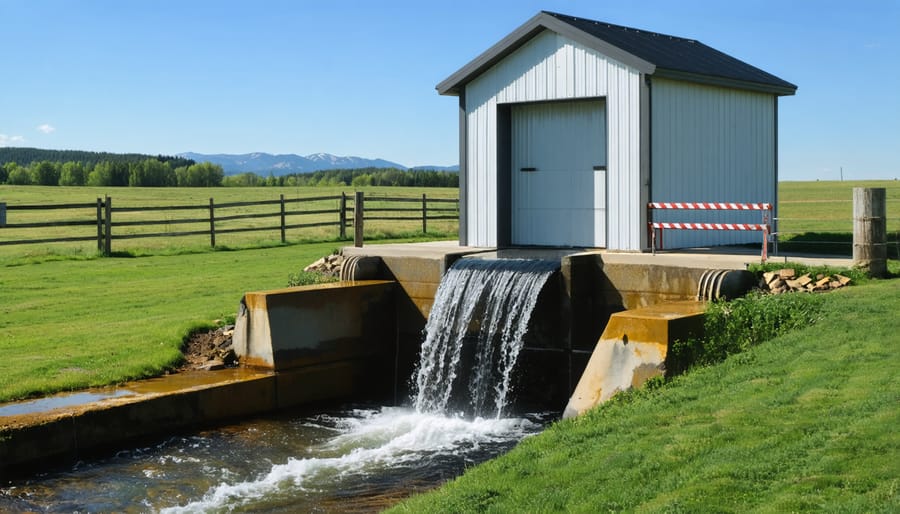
(325, 341)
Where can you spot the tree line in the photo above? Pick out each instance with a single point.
(149, 172)
(88, 159)
(359, 177)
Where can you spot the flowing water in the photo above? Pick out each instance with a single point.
(353, 460)
(498, 296)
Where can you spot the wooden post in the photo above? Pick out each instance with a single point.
(358, 211)
(2, 214)
(343, 217)
(212, 223)
(424, 214)
(107, 244)
(870, 230)
(283, 235)
(100, 224)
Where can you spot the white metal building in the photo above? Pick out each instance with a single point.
(569, 127)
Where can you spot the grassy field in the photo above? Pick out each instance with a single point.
(76, 323)
(806, 422)
(128, 197)
(818, 216)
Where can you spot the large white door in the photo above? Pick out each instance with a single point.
(559, 174)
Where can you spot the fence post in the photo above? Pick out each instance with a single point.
(283, 235)
(424, 214)
(2, 214)
(99, 224)
(870, 230)
(358, 213)
(107, 246)
(343, 216)
(212, 223)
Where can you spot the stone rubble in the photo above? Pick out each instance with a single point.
(329, 265)
(786, 281)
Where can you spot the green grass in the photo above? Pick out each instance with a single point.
(76, 323)
(805, 422)
(818, 216)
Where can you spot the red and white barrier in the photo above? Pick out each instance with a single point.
(719, 206)
(660, 226)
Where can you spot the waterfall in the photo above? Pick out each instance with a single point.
(490, 301)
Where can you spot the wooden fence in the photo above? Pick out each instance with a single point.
(119, 223)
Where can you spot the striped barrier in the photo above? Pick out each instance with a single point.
(725, 206)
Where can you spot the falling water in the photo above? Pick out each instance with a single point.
(493, 298)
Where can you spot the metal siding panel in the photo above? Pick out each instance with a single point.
(624, 158)
(551, 67)
(711, 144)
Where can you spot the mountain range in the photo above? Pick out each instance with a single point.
(285, 164)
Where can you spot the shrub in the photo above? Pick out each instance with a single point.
(734, 326)
(305, 278)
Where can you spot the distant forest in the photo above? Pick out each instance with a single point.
(350, 177)
(33, 166)
(25, 156)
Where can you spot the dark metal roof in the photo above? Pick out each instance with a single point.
(652, 53)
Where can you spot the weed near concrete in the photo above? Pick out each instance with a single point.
(804, 422)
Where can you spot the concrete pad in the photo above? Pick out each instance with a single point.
(429, 250)
(725, 257)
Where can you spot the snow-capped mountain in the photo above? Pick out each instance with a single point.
(264, 163)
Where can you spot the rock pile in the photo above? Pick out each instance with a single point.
(786, 280)
(210, 350)
(329, 265)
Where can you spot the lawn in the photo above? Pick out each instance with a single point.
(805, 422)
(76, 323)
(818, 216)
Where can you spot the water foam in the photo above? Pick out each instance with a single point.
(367, 441)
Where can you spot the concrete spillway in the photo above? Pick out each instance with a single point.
(361, 340)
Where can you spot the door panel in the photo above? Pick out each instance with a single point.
(558, 197)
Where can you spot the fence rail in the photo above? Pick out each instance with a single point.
(114, 223)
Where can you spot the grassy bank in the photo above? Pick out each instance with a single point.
(77, 323)
(804, 422)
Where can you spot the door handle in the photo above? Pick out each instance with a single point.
(600, 167)
(527, 169)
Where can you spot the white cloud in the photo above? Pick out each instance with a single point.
(46, 128)
(10, 140)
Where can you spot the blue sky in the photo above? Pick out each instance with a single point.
(357, 77)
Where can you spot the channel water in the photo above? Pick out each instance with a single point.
(356, 459)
